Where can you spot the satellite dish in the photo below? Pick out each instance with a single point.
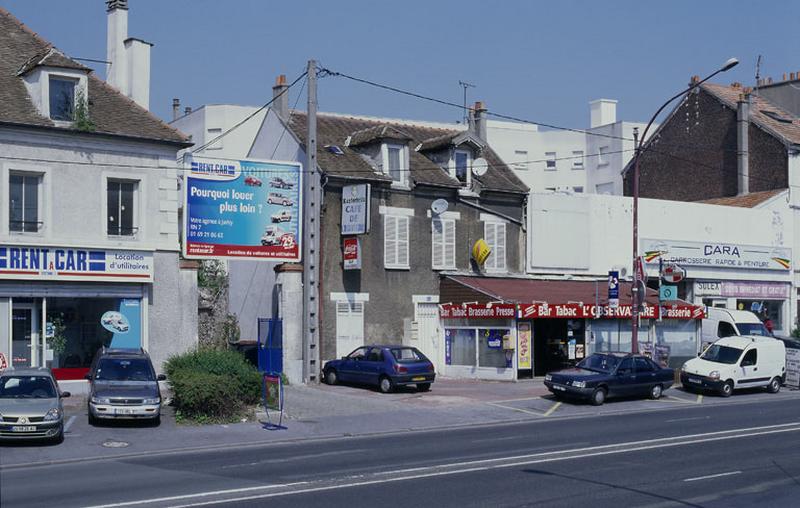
(480, 166)
(439, 206)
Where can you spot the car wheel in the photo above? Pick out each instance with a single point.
(656, 391)
(386, 385)
(330, 377)
(423, 387)
(727, 389)
(59, 438)
(598, 397)
(156, 421)
(92, 420)
(774, 385)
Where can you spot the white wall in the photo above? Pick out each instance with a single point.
(234, 145)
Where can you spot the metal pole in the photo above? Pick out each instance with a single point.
(311, 239)
(635, 288)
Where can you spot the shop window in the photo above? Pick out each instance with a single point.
(678, 339)
(615, 334)
(443, 244)
(24, 197)
(460, 347)
(495, 236)
(395, 241)
(490, 347)
(770, 312)
(121, 202)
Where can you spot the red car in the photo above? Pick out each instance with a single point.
(251, 180)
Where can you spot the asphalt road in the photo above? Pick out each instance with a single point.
(724, 455)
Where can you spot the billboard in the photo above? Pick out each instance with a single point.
(242, 209)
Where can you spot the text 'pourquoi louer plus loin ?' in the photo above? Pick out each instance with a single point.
(226, 196)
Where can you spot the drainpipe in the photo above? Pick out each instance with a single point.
(742, 142)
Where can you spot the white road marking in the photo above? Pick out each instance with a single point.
(729, 473)
(508, 438)
(688, 419)
(448, 469)
(553, 408)
(512, 408)
(69, 423)
(296, 457)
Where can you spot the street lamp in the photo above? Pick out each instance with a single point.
(729, 64)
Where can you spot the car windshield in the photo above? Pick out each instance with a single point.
(599, 363)
(407, 355)
(27, 387)
(124, 369)
(722, 354)
(753, 329)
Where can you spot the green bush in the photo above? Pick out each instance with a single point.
(210, 385)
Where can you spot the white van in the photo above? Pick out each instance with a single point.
(727, 323)
(737, 362)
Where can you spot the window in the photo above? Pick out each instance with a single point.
(495, 236)
(625, 366)
(462, 164)
(550, 163)
(120, 204)
(460, 344)
(358, 354)
(395, 241)
(443, 244)
(23, 207)
(578, 189)
(725, 329)
(489, 354)
(375, 355)
(643, 365)
(62, 98)
(521, 159)
(605, 188)
(577, 159)
(602, 156)
(750, 358)
(394, 163)
(213, 134)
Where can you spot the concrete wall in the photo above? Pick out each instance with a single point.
(236, 144)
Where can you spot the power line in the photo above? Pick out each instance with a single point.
(289, 120)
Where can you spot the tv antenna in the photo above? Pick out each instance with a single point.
(465, 85)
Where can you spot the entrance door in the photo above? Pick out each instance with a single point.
(427, 317)
(26, 348)
(349, 327)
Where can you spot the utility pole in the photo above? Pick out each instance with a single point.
(311, 240)
(635, 297)
(465, 85)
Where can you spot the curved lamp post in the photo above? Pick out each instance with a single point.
(729, 64)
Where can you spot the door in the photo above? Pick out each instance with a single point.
(371, 367)
(748, 370)
(645, 375)
(349, 327)
(349, 369)
(427, 317)
(26, 348)
(625, 382)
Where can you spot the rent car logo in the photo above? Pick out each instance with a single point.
(36, 259)
(208, 168)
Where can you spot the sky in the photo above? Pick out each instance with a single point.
(541, 61)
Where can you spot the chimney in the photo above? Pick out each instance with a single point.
(129, 67)
(187, 110)
(478, 120)
(602, 112)
(176, 108)
(280, 102)
(742, 142)
(694, 80)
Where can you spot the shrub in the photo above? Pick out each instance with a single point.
(212, 385)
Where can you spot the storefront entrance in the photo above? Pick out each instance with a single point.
(557, 344)
(26, 344)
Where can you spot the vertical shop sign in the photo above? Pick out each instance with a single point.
(613, 289)
(125, 324)
(448, 347)
(355, 209)
(793, 367)
(351, 253)
(524, 345)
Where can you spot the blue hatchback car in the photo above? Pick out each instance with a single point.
(386, 367)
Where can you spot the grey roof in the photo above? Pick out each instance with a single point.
(335, 129)
(21, 50)
(376, 133)
(450, 139)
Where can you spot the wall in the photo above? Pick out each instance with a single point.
(620, 152)
(236, 144)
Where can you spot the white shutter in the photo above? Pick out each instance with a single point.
(449, 234)
(402, 241)
(489, 233)
(437, 244)
(389, 241)
(500, 252)
(349, 327)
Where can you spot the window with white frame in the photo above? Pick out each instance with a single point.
(495, 235)
(213, 134)
(394, 162)
(578, 189)
(395, 241)
(121, 207)
(443, 244)
(550, 161)
(62, 98)
(462, 161)
(602, 156)
(24, 202)
(577, 159)
(521, 159)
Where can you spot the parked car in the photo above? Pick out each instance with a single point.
(386, 367)
(737, 362)
(279, 199)
(284, 216)
(30, 405)
(604, 375)
(252, 180)
(280, 183)
(123, 385)
(729, 322)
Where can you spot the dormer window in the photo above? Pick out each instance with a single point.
(62, 98)
(462, 162)
(394, 163)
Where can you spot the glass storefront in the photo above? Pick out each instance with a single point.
(481, 347)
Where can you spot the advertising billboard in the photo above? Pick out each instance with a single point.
(242, 209)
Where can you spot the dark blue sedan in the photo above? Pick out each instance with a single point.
(386, 367)
(603, 375)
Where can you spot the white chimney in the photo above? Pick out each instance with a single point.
(129, 70)
(603, 112)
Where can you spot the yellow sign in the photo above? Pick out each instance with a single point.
(481, 251)
(524, 351)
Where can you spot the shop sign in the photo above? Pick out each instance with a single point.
(524, 345)
(448, 347)
(494, 338)
(743, 289)
(613, 288)
(355, 209)
(242, 209)
(351, 253)
(793, 367)
(3, 362)
(74, 264)
(667, 293)
(592, 311)
(478, 311)
(717, 255)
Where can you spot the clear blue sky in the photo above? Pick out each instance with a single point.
(539, 60)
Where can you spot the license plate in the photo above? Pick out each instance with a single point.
(418, 378)
(23, 428)
(693, 380)
(123, 411)
(560, 388)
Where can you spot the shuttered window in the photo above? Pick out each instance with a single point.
(495, 236)
(395, 241)
(443, 244)
(349, 327)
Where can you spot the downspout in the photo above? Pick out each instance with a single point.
(742, 143)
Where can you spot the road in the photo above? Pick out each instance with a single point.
(718, 455)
